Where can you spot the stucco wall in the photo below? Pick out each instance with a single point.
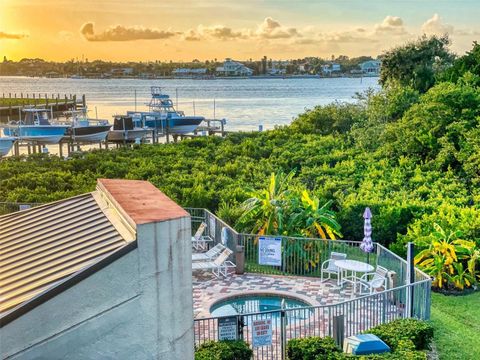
(138, 307)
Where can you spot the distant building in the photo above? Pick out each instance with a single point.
(122, 71)
(305, 67)
(189, 72)
(233, 68)
(371, 67)
(103, 275)
(328, 69)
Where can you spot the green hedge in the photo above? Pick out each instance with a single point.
(393, 333)
(224, 350)
(312, 348)
(408, 338)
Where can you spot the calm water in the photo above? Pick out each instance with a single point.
(245, 103)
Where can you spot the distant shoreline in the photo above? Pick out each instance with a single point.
(254, 77)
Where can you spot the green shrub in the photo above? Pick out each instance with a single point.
(312, 348)
(224, 350)
(395, 333)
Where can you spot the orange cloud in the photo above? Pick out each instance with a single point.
(122, 33)
(11, 36)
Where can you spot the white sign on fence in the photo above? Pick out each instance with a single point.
(262, 332)
(270, 251)
(227, 328)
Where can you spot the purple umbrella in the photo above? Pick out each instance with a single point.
(367, 244)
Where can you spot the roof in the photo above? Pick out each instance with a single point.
(42, 246)
(141, 201)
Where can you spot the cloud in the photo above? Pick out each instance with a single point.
(435, 26)
(12, 36)
(391, 25)
(123, 33)
(222, 32)
(192, 35)
(272, 29)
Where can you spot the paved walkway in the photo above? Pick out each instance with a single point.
(207, 289)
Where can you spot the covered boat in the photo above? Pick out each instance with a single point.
(84, 129)
(124, 130)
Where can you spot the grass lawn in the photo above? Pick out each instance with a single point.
(456, 320)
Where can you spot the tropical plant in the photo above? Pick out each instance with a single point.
(266, 209)
(450, 260)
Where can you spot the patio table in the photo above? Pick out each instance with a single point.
(354, 266)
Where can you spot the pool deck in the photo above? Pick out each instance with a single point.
(207, 289)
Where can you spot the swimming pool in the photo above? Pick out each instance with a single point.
(246, 304)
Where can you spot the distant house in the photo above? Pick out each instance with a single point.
(305, 67)
(128, 71)
(328, 69)
(103, 275)
(233, 68)
(371, 67)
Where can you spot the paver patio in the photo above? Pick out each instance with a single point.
(207, 289)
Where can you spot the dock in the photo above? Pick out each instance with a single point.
(11, 105)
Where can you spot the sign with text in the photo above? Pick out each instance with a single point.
(262, 332)
(227, 328)
(270, 251)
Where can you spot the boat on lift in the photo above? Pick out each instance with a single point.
(124, 131)
(6, 144)
(162, 115)
(36, 128)
(85, 129)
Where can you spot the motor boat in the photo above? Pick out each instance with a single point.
(36, 128)
(124, 131)
(163, 116)
(84, 129)
(6, 144)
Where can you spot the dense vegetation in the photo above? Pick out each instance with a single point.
(407, 339)
(411, 154)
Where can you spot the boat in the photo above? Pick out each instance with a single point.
(6, 144)
(84, 129)
(163, 116)
(124, 131)
(36, 128)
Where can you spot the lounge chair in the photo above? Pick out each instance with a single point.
(210, 255)
(199, 241)
(329, 266)
(377, 281)
(219, 266)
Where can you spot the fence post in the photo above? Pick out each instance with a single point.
(283, 335)
(410, 278)
(339, 329)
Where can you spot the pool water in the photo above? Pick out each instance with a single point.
(254, 304)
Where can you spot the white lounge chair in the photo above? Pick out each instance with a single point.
(199, 241)
(219, 266)
(210, 255)
(377, 281)
(329, 266)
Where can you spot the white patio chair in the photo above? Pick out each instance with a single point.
(210, 254)
(200, 241)
(219, 266)
(329, 266)
(377, 281)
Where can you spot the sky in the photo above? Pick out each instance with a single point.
(183, 30)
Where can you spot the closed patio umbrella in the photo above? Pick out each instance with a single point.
(367, 244)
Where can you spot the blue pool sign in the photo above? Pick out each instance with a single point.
(270, 251)
(261, 332)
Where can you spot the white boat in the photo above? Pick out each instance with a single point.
(162, 115)
(84, 129)
(125, 132)
(6, 144)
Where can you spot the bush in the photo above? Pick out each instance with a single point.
(224, 350)
(312, 348)
(395, 333)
